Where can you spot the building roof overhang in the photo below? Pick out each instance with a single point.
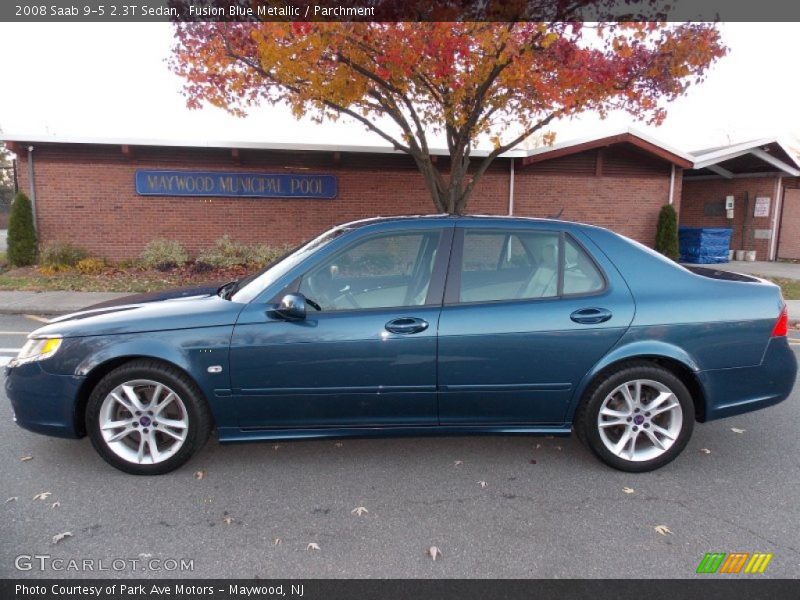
(18, 144)
(755, 158)
(630, 137)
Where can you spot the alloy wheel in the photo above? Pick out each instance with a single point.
(640, 420)
(143, 421)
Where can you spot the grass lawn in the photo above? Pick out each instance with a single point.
(790, 287)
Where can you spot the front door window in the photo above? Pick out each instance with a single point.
(384, 271)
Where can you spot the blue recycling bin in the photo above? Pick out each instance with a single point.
(704, 245)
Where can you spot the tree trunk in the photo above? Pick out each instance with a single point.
(450, 195)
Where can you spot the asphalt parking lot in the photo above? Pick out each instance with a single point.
(548, 508)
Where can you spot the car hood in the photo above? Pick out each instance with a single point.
(182, 308)
(183, 292)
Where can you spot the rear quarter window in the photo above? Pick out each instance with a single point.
(581, 275)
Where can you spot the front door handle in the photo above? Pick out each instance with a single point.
(407, 325)
(591, 316)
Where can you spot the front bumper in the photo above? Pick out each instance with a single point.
(43, 402)
(731, 392)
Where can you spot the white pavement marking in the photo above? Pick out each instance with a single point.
(15, 350)
(37, 318)
(14, 332)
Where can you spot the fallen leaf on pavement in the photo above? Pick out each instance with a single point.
(276, 446)
(628, 490)
(199, 475)
(277, 542)
(663, 530)
(12, 499)
(312, 546)
(338, 444)
(433, 552)
(705, 450)
(458, 462)
(26, 458)
(557, 448)
(42, 495)
(358, 511)
(227, 520)
(483, 484)
(60, 536)
(55, 504)
(737, 430)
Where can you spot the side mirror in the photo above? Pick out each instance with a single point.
(292, 307)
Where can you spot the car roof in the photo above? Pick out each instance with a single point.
(500, 219)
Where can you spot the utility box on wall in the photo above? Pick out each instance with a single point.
(729, 200)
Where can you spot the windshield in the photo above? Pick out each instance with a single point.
(252, 285)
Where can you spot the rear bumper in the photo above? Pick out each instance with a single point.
(43, 402)
(730, 392)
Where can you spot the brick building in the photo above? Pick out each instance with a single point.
(762, 178)
(114, 197)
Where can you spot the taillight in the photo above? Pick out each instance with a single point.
(781, 328)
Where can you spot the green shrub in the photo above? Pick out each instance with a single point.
(21, 233)
(201, 267)
(49, 271)
(667, 232)
(90, 266)
(127, 263)
(225, 253)
(59, 255)
(164, 254)
(262, 254)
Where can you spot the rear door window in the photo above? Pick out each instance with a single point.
(524, 265)
(509, 266)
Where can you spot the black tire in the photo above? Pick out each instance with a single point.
(199, 417)
(586, 418)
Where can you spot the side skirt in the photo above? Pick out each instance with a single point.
(234, 434)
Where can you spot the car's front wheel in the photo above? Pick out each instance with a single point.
(637, 418)
(147, 418)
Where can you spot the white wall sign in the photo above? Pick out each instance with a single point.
(762, 207)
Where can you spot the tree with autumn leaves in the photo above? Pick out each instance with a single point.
(497, 82)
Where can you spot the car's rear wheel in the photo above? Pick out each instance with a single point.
(147, 418)
(637, 418)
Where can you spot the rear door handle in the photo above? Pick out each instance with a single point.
(407, 325)
(591, 316)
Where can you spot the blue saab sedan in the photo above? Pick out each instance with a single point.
(412, 326)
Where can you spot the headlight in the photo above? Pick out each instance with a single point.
(37, 349)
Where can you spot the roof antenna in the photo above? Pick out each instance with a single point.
(557, 216)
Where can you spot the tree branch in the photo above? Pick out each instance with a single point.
(330, 104)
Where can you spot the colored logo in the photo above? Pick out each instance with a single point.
(735, 562)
